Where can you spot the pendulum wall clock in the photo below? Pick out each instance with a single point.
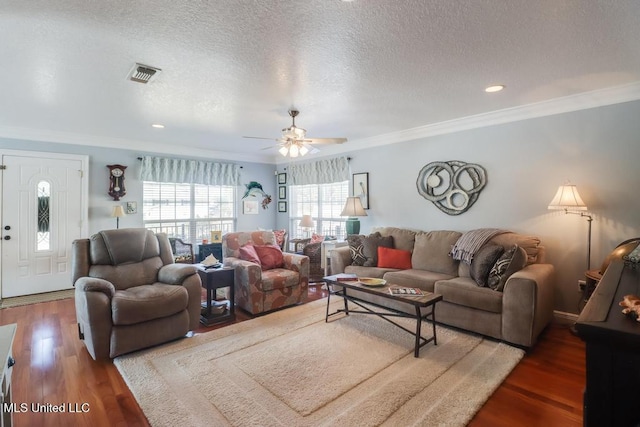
(116, 181)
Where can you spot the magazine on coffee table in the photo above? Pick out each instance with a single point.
(406, 292)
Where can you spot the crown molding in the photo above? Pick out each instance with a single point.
(566, 104)
(124, 144)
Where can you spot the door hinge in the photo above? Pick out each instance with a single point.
(81, 173)
(3, 167)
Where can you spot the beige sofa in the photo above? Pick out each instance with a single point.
(516, 315)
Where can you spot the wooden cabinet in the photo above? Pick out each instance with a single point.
(613, 351)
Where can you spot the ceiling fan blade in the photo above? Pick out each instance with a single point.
(325, 140)
(260, 137)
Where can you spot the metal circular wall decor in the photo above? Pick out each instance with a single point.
(452, 186)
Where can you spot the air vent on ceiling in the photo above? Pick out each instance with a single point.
(143, 73)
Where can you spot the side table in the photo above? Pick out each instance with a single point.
(213, 279)
(7, 333)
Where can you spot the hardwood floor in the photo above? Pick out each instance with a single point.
(52, 366)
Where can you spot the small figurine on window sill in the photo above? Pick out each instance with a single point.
(631, 304)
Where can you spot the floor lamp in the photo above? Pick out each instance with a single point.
(568, 199)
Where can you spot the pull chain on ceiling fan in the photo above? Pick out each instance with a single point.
(294, 143)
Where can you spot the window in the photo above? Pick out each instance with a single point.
(324, 202)
(188, 211)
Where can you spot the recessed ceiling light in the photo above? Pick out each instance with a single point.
(495, 88)
(157, 126)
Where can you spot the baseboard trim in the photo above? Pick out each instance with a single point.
(564, 317)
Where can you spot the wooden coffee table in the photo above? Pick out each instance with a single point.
(427, 301)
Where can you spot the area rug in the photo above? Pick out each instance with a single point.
(36, 298)
(290, 368)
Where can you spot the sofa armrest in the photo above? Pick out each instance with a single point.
(93, 284)
(175, 274)
(340, 259)
(527, 304)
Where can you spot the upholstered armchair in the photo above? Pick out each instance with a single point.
(129, 294)
(259, 290)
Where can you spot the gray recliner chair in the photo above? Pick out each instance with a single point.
(129, 294)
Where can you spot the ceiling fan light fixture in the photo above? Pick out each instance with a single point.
(293, 150)
(284, 150)
(303, 150)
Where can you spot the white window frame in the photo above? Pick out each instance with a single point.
(324, 202)
(191, 229)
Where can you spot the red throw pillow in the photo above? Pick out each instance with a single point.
(248, 253)
(279, 235)
(394, 258)
(270, 256)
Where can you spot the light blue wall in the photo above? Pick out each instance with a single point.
(101, 204)
(597, 149)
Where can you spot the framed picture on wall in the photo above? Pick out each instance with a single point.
(282, 178)
(132, 208)
(361, 188)
(282, 206)
(250, 207)
(282, 192)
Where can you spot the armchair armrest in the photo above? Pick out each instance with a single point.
(527, 303)
(93, 284)
(248, 274)
(175, 274)
(297, 262)
(340, 259)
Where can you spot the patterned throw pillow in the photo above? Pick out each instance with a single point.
(511, 261)
(483, 261)
(370, 247)
(279, 234)
(316, 238)
(356, 247)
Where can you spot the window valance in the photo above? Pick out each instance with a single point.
(323, 171)
(161, 169)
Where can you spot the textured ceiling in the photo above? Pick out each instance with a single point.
(355, 69)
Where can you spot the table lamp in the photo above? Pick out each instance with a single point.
(353, 209)
(307, 223)
(117, 213)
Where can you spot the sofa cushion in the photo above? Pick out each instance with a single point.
(509, 262)
(402, 238)
(361, 271)
(483, 261)
(370, 248)
(393, 258)
(529, 243)
(279, 278)
(413, 278)
(431, 252)
(248, 253)
(464, 291)
(356, 247)
(147, 302)
(270, 256)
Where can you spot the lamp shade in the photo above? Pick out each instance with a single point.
(353, 207)
(567, 198)
(306, 222)
(117, 211)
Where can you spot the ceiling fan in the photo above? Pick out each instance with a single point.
(294, 142)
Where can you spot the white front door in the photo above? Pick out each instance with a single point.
(42, 213)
